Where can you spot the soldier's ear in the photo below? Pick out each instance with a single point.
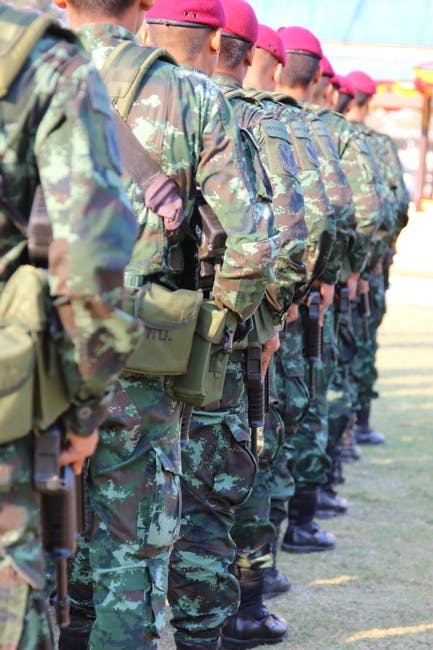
(215, 41)
(277, 72)
(61, 4)
(249, 56)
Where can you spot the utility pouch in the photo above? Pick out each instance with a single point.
(169, 319)
(32, 393)
(213, 341)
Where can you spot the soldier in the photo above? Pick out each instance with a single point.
(57, 130)
(394, 218)
(183, 120)
(293, 392)
(201, 557)
(298, 78)
(199, 569)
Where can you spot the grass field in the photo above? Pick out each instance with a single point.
(375, 589)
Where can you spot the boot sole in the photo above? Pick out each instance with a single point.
(306, 549)
(328, 514)
(233, 644)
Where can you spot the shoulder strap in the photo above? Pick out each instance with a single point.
(124, 70)
(19, 33)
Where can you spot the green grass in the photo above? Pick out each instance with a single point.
(377, 583)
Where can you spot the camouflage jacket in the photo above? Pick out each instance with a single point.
(389, 216)
(275, 166)
(319, 214)
(336, 187)
(394, 171)
(357, 166)
(56, 130)
(185, 123)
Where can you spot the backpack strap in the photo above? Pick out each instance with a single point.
(19, 33)
(124, 70)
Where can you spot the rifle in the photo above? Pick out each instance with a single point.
(365, 312)
(255, 391)
(61, 512)
(343, 308)
(313, 339)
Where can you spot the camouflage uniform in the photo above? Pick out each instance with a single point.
(56, 129)
(184, 122)
(363, 371)
(217, 474)
(357, 166)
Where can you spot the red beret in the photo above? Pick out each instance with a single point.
(362, 82)
(299, 39)
(241, 20)
(326, 67)
(344, 85)
(188, 12)
(269, 40)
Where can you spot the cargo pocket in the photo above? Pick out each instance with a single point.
(234, 478)
(158, 520)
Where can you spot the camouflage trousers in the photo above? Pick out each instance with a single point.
(217, 475)
(119, 575)
(339, 394)
(293, 401)
(310, 438)
(24, 620)
(253, 532)
(363, 372)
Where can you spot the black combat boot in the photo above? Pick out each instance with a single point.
(275, 583)
(329, 504)
(303, 535)
(253, 625)
(364, 433)
(74, 639)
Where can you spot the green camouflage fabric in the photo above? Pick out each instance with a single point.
(212, 161)
(337, 188)
(319, 214)
(272, 150)
(311, 436)
(183, 120)
(395, 177)
(218, 473)
(253, 532)
(363, 372)
(357, 166)
(56, 128)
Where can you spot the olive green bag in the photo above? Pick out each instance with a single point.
(32, 393)
(169, 319)
(213, 340)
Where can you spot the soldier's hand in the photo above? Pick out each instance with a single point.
(352, 285)
(78, 448)
(327, 292)
(292, 313)
(363, 287)
(268, 349)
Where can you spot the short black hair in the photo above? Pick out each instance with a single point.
(342, 102)
(233, 51)
(103, 7)
(300, 69)
(361, 99)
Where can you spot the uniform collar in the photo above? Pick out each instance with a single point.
(226, 80)
(96, 35)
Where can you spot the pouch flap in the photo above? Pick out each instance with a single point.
(160, 308)
(212, 321)
(16, 359)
